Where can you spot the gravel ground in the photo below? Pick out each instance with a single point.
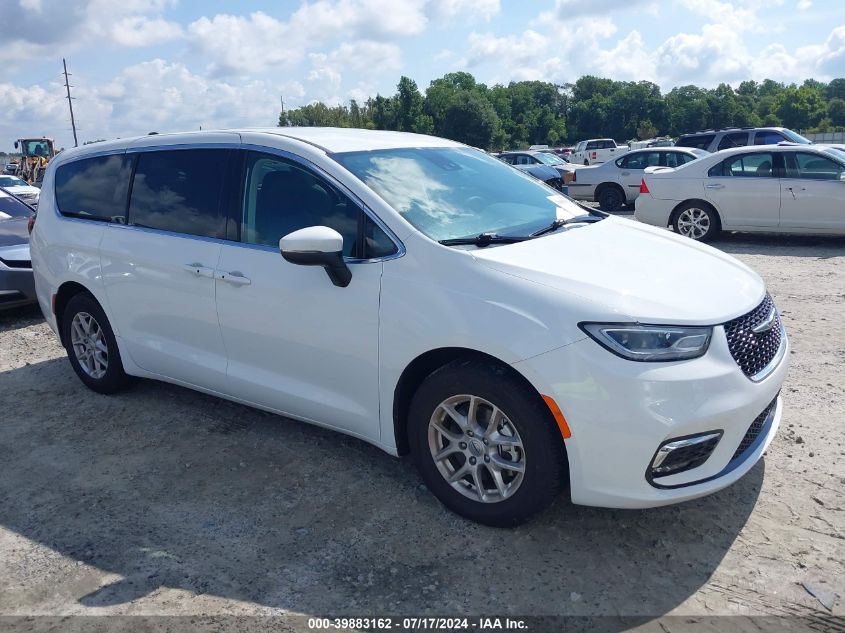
(165, 501)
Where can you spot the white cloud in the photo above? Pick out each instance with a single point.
(803, 5)
(480, 9)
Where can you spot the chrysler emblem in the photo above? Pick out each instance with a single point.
(766, 324)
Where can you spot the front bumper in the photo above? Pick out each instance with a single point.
(620, 412)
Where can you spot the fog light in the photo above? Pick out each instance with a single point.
(685, 453)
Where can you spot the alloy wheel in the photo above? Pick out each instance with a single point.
(476, 448)
(694, 223)
(89, 345)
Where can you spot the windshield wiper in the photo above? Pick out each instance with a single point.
(485, 239)
(556, 224)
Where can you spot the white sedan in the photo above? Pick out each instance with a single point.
(784, 188)
(21, 189)
(617, 182)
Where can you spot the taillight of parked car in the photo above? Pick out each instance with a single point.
(643, 187)
(30, 224)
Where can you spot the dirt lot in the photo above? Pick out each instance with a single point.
(165, 501)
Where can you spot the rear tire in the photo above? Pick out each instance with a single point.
(514, 461)
(697, 220)
(586, 163)
(91, 345)
(611, 199)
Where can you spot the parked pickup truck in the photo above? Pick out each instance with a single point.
(596, 150)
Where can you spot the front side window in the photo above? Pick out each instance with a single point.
(282, 196)
(524, 159)
(94, 188)
(813, 167)
(179, 191)
(758, 165)
(768, 138)
(453, 192)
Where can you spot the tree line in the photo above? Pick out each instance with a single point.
(524, 113)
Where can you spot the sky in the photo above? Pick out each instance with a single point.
(169, 65)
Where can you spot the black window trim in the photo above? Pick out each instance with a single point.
(244, 147)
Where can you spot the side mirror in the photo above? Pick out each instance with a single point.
(16, 145)
(317, 246)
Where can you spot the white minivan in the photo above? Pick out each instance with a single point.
(422, 296)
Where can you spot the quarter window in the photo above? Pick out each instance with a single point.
(179, 191)
(94, 188)
(746, 166)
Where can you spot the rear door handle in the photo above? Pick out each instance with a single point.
(199, 270)
(234, 277)
(714, 186)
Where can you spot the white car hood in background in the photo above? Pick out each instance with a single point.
(642, 273)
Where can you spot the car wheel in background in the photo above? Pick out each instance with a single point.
(485, 444)
(586, 162)
(611, 199)
(91, 346)
(697, 220)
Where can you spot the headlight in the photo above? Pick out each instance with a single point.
(650, 342)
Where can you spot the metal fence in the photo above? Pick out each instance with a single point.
(827, 137)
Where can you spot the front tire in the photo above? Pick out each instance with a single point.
(697, 220)
(91, 345)
(485, 444)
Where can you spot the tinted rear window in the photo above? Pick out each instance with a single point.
(179, 191)
(12, 207)
(94, 188)
(701, 141)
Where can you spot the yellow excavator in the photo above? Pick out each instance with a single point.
(36, 153)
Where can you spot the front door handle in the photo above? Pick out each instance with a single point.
(714, 186)
(234, 277)
(199, 270)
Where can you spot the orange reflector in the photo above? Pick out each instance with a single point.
(558, 415)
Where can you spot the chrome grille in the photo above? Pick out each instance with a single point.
(753, 351)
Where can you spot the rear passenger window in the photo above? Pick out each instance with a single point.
(745, 166)
(734, 139)
(768, 138)
(94, 188)
(179, 191)
(701, 142)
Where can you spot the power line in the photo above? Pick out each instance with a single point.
(70, 104)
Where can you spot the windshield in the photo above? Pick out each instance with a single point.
(549, 159)
(796, 138)
(11, 181)
(836, 152)
(452, 192)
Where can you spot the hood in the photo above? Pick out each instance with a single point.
(13, 232)
(543, 172)
(23, 189)
(636, 272)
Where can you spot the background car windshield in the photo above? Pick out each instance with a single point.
(11, 181)
(12, 208)
(796, 138)
(458, 192)
(549, 159)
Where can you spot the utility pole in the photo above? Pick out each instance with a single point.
(70, 104)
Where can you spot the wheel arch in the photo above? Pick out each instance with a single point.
(64, 294)
(427, 363)
(604, 185)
